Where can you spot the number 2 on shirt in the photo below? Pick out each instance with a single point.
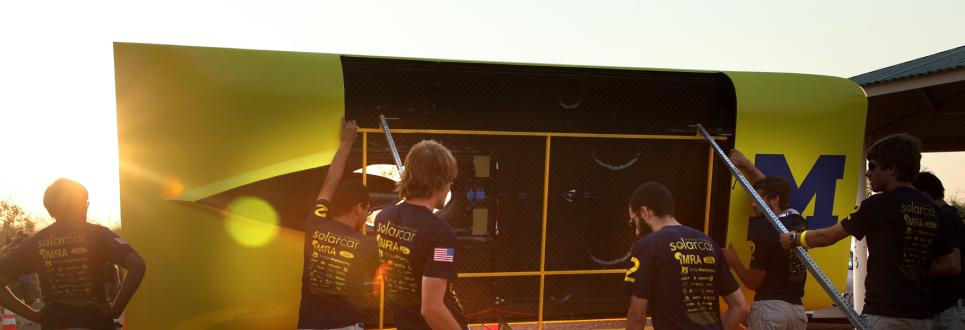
(321, 210)
(633, 269)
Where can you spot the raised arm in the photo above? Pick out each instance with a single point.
(751, 172)
(337, 167)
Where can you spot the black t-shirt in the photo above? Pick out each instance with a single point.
(785, 273)
(947, 290)
(681, 272)
(902, 228)
(414, 243)
(70, 261)
(338, 262)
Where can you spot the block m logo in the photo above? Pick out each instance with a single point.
(819, 185)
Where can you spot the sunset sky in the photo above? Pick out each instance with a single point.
(57, 111)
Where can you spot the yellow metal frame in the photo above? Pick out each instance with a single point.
(542, 248)
(542, 273)
(365, 156)
(541, 134)
(549, 322)
(710, 187)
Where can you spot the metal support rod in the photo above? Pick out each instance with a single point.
(540, 134)
(365, 145)
(710, 188)
(802, 254)
(365, 159)
(388, 137)
(382, 300)
(542, 250)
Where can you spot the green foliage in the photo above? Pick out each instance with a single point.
(958, 204)
(13, 219)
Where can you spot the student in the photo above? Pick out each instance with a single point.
(902, 227)
(677, 273)
(417, 247)
(338, 258)
(69, 258)
(775, 274)
(947, 291)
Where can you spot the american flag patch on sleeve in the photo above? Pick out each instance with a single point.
(443, 254)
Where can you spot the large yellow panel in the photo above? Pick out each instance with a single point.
(802, 118)
(193, 122)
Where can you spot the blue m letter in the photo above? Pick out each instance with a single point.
(819, 185)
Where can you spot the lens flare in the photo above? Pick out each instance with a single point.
(172, 188)
(251, 221)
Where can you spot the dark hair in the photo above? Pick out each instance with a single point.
(62, 195)
(348, 194)
(775, 186)
(929, 184)
(655, 196)
(901, 152)
(429, 166)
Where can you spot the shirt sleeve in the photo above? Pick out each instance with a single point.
(725, 282)
(959, 226)
(947, 238)
(953, 227)
(116, 248)
(639, 279)
(759, 255)
(860, 222)
(19, 262)
(441, 257)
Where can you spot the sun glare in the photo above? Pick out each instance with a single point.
(251, 221)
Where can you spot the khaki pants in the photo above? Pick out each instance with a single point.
(952, 318)
(776, 315)
(875, 322)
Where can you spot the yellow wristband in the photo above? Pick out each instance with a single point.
(803, 241)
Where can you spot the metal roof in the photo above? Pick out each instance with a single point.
(944, 61)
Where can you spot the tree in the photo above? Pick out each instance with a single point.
(957, 203)
(14, 218)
